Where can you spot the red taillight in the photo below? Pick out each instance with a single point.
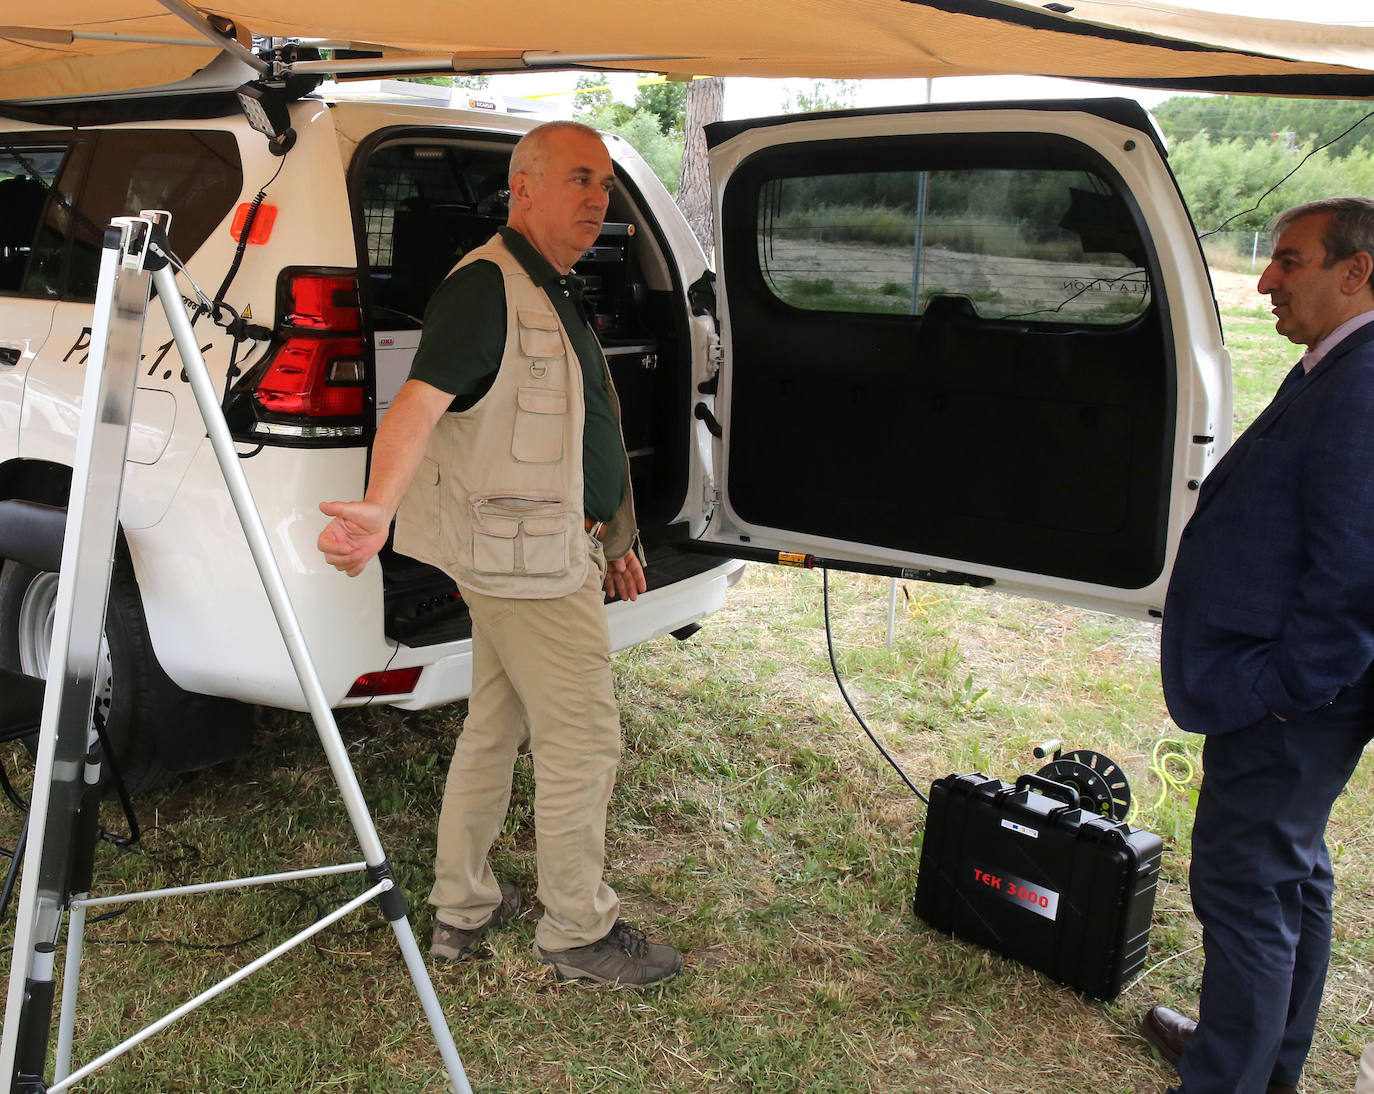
(304, 378)
(318, 368)
(390, 682)
(323, 303)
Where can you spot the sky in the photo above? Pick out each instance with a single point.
(746, 98)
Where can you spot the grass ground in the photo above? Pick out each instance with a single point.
(754, 826)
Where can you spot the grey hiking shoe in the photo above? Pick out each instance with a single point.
(456, 944)
(625, 956)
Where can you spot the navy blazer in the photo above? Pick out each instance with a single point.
(1270, 605)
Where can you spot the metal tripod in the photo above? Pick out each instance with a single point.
(62, 827)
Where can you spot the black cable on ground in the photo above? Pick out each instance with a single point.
(834, 668)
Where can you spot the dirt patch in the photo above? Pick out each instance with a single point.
(837, 276)
(874, 277)
(1235, 290)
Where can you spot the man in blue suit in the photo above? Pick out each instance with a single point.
(1266, 647)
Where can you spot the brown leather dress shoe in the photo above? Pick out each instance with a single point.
(1168, 1031)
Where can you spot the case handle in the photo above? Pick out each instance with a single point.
(1049, 788)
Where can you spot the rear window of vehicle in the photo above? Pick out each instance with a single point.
(1033, 243)
(28, 175)
(425, 205)
(195, 176)
(66, 192)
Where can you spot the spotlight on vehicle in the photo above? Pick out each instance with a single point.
(265, 109)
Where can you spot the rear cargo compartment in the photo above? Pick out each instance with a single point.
(423, 199)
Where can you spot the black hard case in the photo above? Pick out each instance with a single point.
(1060, 889)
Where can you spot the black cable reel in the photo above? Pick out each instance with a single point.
(1099, 782)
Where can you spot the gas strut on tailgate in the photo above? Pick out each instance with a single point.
(811, 562)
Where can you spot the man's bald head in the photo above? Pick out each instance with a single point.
(531, 152)
(561, 179)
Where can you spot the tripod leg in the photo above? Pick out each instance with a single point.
(34, 1022)
(55, 825)
(415, 963)
(207, 399)
(86, 837)
(71, 981)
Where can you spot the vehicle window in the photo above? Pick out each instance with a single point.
(1048, 243)
(30, 254)
(196, 176)
(977, 312)
(424, 207)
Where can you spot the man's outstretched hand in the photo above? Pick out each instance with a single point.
(354, 536)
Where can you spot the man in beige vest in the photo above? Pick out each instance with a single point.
(502, 461)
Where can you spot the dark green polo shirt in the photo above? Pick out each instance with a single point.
(464, 339)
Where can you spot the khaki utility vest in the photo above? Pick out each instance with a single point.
(496, 502)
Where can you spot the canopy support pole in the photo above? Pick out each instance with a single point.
(214, 36)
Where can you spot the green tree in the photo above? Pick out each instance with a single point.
(705, 104)
(639, 129)
(1287, 122)
(821, 95)
(1230, 181)
(592, 96)
(469, 80)
(667, 101)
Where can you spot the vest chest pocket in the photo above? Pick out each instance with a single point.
(540, 334)
(539, 420)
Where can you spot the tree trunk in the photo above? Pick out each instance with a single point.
(705, 104)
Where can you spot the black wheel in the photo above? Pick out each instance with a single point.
(155, 728)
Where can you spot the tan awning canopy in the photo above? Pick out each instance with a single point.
(60, 48)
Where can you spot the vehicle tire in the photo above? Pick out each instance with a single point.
(155, 728)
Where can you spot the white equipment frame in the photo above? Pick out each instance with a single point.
(62, 826)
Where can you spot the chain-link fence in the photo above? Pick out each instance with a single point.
(1243, 252)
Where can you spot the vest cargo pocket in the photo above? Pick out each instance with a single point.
(539, 419)
(515, 536)
(493, 544)
(544, 542)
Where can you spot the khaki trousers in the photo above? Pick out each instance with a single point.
(1364, 1084)
(541, 673)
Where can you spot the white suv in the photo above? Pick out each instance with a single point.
(965, 343)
